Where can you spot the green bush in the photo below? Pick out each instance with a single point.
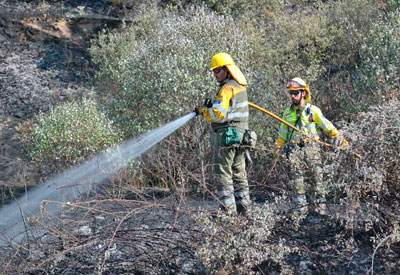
(360, 61)
(393, 4)
(157, 68)
(374, 179)
(164, 71)
(368, 189)
(235, 8)
(236, 245)
(377, 76)
(68, 134)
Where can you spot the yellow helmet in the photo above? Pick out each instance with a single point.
(296, 84)
(224, 59)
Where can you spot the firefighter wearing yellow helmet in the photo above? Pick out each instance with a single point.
(229, 115)
(303, 153)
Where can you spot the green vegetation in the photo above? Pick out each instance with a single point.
(157, 69)
(163, 57)
(348, 51)
(68, 134)
(234, 245)
(378, 73)
(159, 64)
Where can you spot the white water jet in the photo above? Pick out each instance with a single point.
(77, 180)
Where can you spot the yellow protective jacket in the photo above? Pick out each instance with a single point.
(230, 107)
(309, 119)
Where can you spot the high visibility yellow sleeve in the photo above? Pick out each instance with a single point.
(323, 123)
(219, 111)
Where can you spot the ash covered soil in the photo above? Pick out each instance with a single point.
(44, 61)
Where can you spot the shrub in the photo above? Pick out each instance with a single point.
(158, 67)
(68, 134)
(234, 8)
(377, 76)
(359, 58)
(235, 245)
(317, 43)
(164, 71)
(369, 185)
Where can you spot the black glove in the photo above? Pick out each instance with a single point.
(207, 103)
(200, 110)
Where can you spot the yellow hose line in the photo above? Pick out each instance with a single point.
(274, 116)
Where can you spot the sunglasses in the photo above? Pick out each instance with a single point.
(294, 84)
(295, 92)
(217, 70)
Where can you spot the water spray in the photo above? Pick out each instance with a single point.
(14, 225)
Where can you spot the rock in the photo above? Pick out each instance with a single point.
(99, 219)
(83, 231)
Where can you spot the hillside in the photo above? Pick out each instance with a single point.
(45, 60)
(144, 63)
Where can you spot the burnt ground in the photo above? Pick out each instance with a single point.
(44, 60)
(160, 236)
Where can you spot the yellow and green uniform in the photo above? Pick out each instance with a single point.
(306, 159)
(230, 109)
(309, 119)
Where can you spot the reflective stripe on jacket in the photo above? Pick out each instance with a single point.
(313, 129)
(230, 107)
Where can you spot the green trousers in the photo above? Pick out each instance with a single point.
(306, 174)
(230, 175)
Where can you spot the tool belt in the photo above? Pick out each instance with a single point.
(233, 135)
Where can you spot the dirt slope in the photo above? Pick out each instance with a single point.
(43, 60)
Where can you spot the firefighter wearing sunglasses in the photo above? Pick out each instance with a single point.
(229, 116)
(303, 153)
